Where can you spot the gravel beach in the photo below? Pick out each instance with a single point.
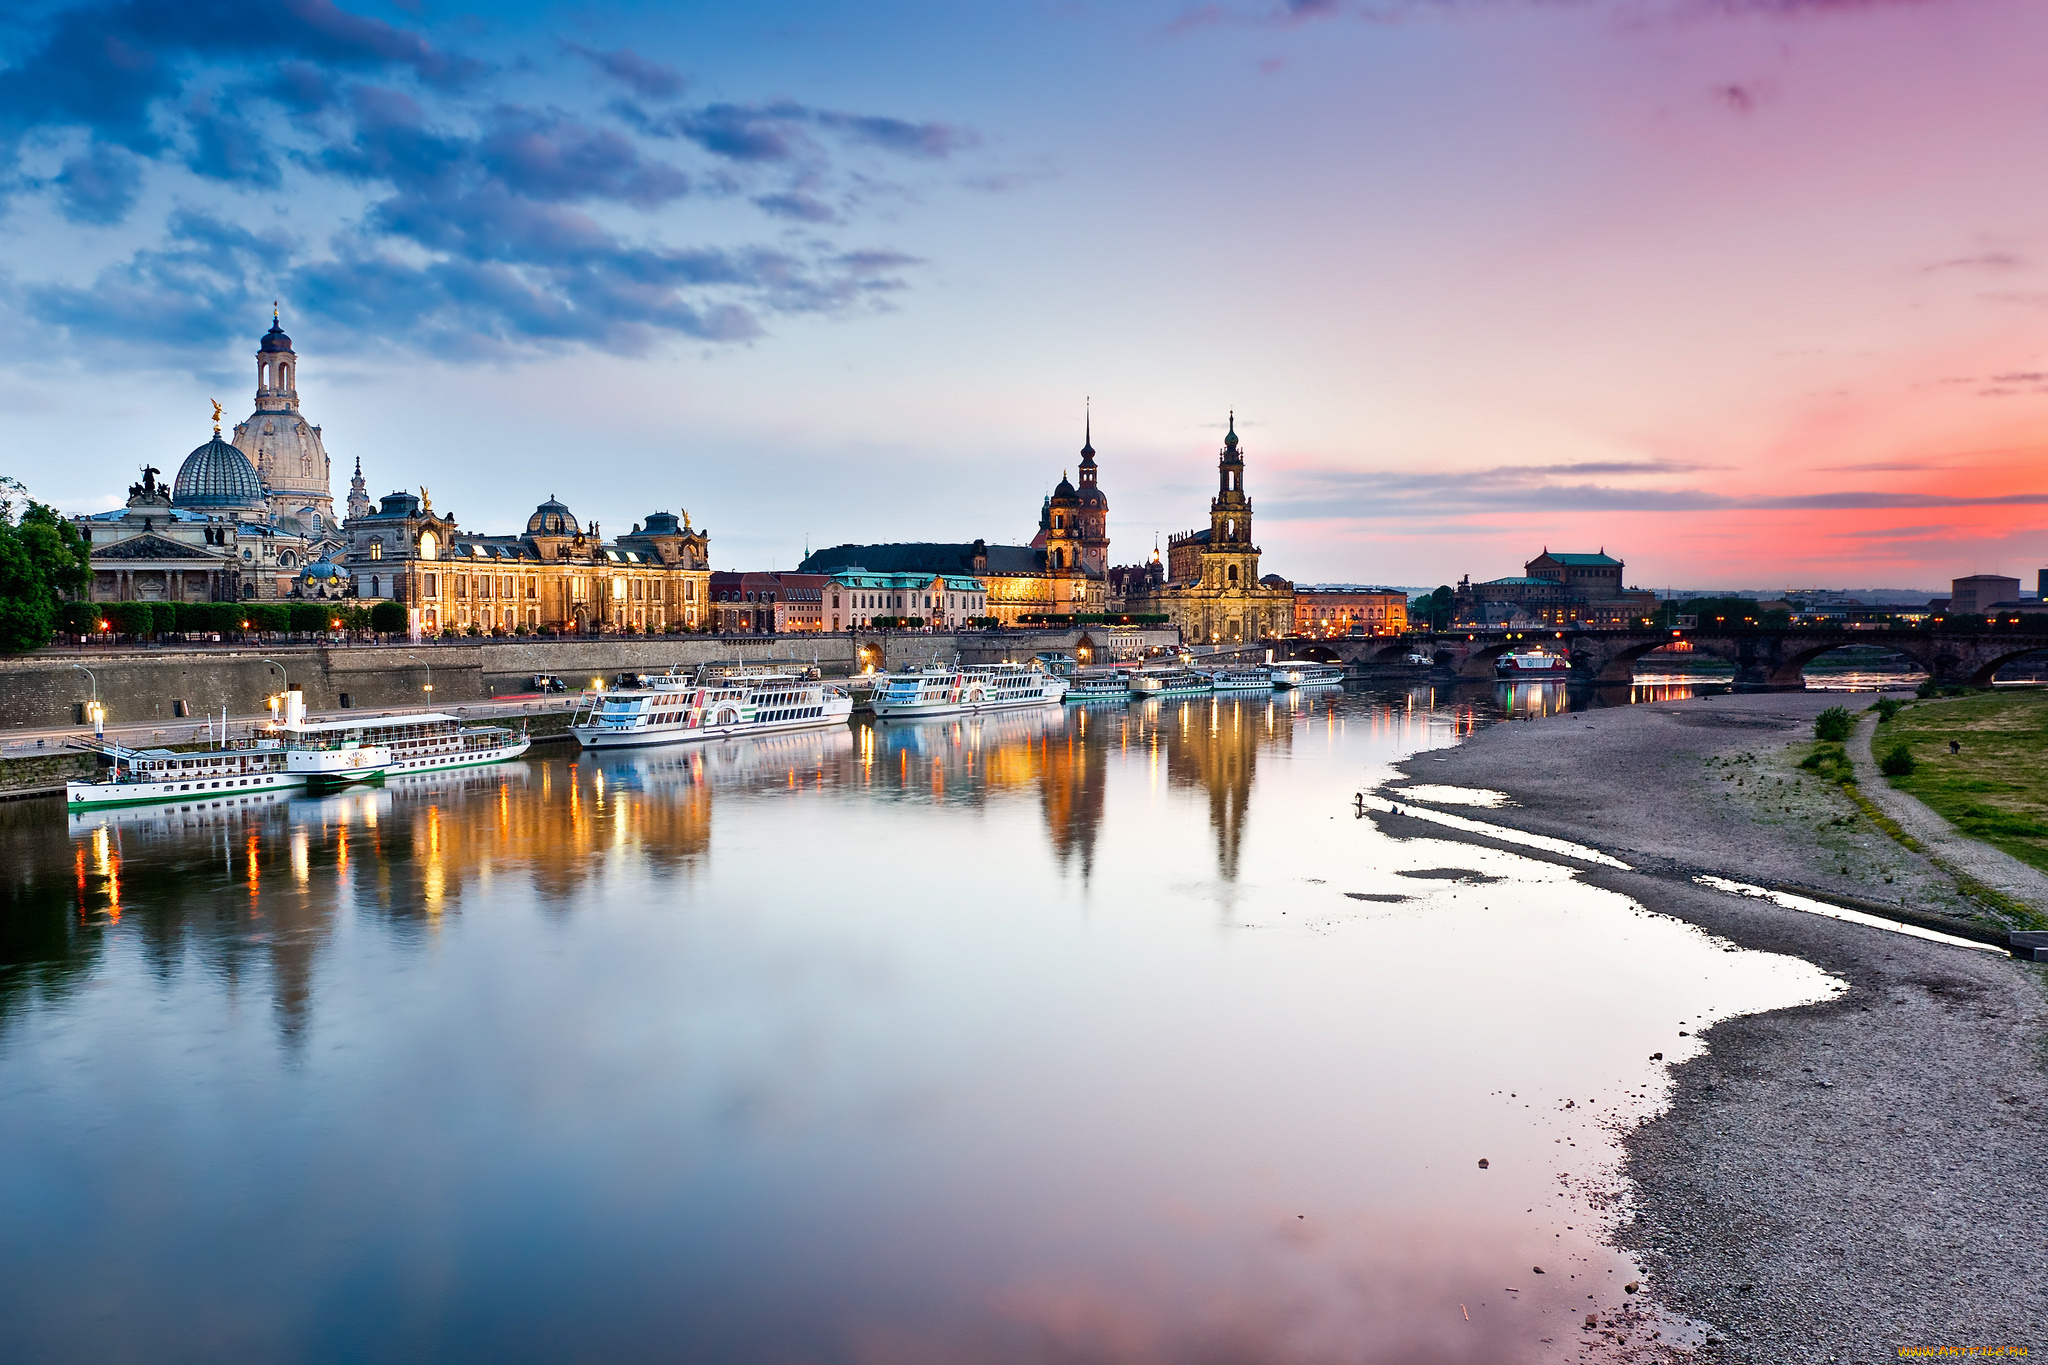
(1838, 1182)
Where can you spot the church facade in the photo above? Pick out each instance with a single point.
(1211, 588)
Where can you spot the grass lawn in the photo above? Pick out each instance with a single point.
(1996, 789)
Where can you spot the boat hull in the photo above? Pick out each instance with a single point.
(102, 795)
(916, 711)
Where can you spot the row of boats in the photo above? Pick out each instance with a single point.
(676, 708)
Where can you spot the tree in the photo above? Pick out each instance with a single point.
(387, 618)
(42, 560)
(1435, 609)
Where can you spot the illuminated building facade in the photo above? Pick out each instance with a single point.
(555, 576)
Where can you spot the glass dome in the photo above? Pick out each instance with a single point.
(218, 476)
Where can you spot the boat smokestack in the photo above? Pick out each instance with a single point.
(295, 707)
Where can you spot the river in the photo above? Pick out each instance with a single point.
(1103, 1034)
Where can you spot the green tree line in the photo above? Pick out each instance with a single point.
(144, 619)
(43, 560)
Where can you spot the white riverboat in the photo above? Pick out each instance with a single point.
(1306, 673)
(940, 690)
(675, 708)
(140, 777)
(1099, 684)
(1170, 682)
(1242, 678)
(430, 741)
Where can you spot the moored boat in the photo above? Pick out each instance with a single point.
(1099, 684)
(675, 708)
(1242, 678)
(1306, 673)
(1531, 665)
(421, 742)
(139, 777)
(1170, 682)
(939, 689)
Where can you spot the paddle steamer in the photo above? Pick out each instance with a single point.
(675, 708)
(940, 689)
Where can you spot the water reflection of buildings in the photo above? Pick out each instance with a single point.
(256, 887)
(1214, 744)
(261, 881)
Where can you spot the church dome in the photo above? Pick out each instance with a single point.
(1091, 496)
(275, 339)
(1063, 489)
(551, 518)
(218, 476)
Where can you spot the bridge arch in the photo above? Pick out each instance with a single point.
(1789, 669)
(1991, 658)
(1615, 661)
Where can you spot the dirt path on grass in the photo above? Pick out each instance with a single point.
(1994, 867)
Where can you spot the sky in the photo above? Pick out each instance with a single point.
(1745, 292)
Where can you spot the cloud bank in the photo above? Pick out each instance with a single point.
(485, 209)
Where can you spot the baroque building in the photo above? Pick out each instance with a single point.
(1062, 572)
(239, 521)
(1211, 588)
(557, 575)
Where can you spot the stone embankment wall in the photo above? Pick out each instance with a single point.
(43, 690)
(44, 772)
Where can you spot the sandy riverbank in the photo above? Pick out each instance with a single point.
(1831, 1183)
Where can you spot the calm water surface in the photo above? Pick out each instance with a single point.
(1104, 1034)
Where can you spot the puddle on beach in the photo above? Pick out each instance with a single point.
(1057, 1036)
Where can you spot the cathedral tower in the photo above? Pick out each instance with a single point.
(1094, 507)
(286, 450)
(1230, 559)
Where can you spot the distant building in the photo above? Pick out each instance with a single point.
(768, 603)
(860, 596)
(1980, 592)
(1212, 589)
(556, 575)
(1557, 589)
(1338, 609)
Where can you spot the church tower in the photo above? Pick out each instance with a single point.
(285, 449)
(358, 495)
(1093, 507)
(1061, 522)
(1230, 559)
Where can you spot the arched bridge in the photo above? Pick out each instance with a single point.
(1763, 658)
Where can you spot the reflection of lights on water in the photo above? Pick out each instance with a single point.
(302, 865)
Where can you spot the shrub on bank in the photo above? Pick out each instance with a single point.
(1886, 708)
(1833, 725)
(1898, 762)
(1831, 763)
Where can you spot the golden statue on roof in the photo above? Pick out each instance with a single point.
(216, 415)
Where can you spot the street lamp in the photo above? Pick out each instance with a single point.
(93, 708)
